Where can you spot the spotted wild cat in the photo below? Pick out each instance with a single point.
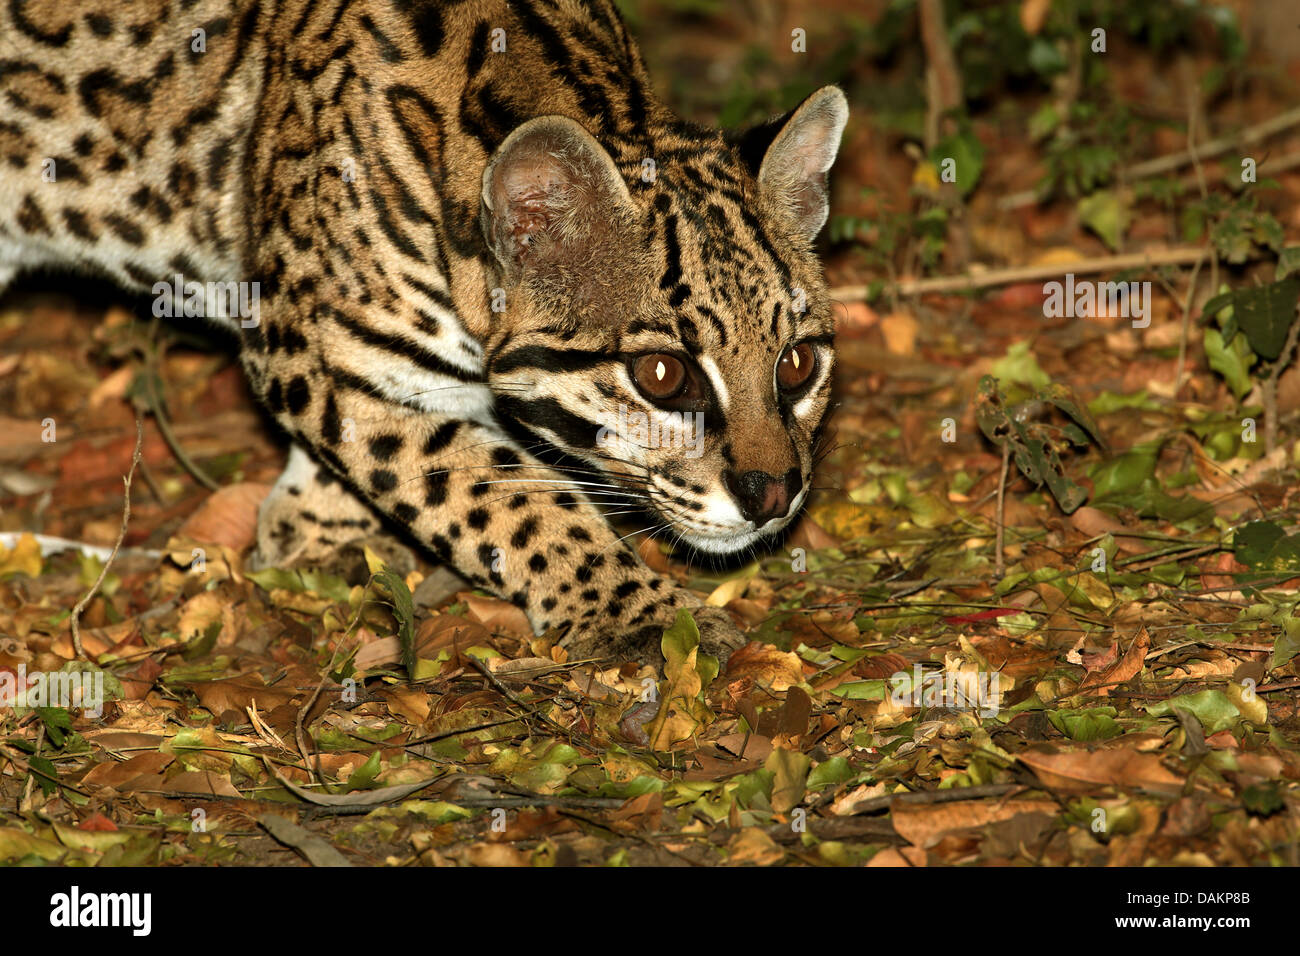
(479, 239)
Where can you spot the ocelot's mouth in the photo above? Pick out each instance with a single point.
(725, 533)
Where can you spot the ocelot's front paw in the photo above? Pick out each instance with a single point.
(610, 640)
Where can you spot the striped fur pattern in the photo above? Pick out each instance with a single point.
(470, 222)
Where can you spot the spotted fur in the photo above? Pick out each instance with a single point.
(466, 220)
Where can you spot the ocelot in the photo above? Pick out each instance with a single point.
(501, 290)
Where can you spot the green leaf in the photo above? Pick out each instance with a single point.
(967, 153)
(1020, 367)
(58, 724)
(1232, 360)
(1045, 58)
(1212, 708)
(404, 610)
(862, 690)
(363, 778)
(1063, 397)
(44, 773)
(1106, 214)
(1266, 313)
(1094, 723)
(203, 644)
(678, 641)
(828, 772)
(1288, 261)
(1124, 474)
(1263, 799)
(1044, 121)
(1263, 546)
(1287, 644)
(1253, 541)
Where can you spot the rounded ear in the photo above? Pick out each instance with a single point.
(793, 170)
(549, 191)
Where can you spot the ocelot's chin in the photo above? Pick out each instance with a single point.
(721, 543)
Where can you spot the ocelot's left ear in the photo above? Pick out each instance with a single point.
(550, 194)
(792, 154)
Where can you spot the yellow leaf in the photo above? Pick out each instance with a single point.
(728, 590)
(926, 176)
(1250, 704)
(753, 846)
(25, 558)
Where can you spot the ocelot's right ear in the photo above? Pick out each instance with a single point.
(549, 192)
(791, 155)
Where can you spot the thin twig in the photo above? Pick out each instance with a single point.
(31, 777)
(1164, 164)
(929, 797)
(1269, 386)
(1178, 256)
(999, 566)
(103, 572)
(165, 428)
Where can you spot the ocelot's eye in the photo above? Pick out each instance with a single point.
(796, 366)
(660, 376)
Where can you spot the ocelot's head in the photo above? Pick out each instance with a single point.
(667, 321)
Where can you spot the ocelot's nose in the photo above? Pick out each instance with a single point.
(761, 496)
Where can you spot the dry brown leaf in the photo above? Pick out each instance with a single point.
(228, 516)
(765, 665)
(1093, 523)
(1078, 771)
(905, 856)
(853, 318)
(900, 330)
(653, 556)
(811, 536)
(495, 854)
(753, 847)
(496, 615)
(1033, 13)
(377, 653)
(1102, 682)
(924, 825)
(237, 694)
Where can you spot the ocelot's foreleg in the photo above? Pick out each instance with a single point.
(310, 515)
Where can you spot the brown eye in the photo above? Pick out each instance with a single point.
(660, 376)
(796, 366)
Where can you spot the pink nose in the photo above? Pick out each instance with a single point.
(761, 496)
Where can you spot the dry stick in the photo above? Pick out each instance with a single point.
(1163, 164)
(1187, 322)
(103, 572)
(164, 426)
(1000, 564)
(1178, 256)
(944, 97)
(1269, 389)
(509, 695)
(942, 76)
(930, 797)
(31, 777)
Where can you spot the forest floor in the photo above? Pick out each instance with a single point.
(1122, 690)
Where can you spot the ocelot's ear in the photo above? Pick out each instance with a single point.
(549, 192)
(791, 155)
